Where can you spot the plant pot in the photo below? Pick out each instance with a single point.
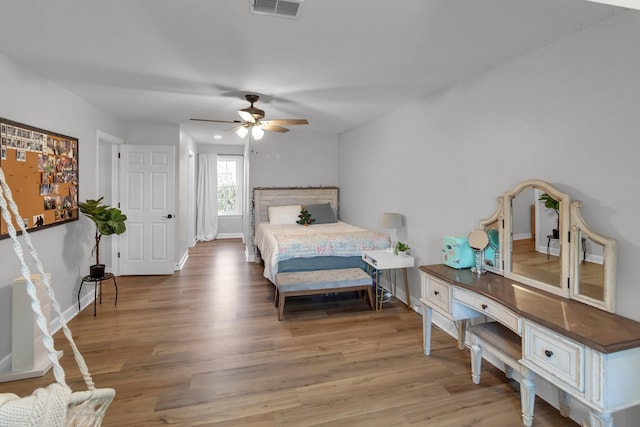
(96, 271)
(556, 233)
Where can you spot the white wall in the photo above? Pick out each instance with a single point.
(185, 214)
(567, 113)
(295, 160)
(65, 250)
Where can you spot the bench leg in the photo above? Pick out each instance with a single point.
(476, 363)
(370, 298)
(280, 305)
(275, 299)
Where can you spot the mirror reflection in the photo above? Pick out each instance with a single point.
(594, 261)
(537, 236)
(492, 252)
(536, 250)
(591, 268)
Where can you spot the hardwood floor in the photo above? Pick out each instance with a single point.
(203, 347)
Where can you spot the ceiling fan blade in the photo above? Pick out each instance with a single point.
(216, 121)
(273, 128)
(286, 122)
(246, 116)
(234, 128)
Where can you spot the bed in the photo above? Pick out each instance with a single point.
(285, 246)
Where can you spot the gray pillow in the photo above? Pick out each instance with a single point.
(322, 213)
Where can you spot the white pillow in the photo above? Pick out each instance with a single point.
(281, 215)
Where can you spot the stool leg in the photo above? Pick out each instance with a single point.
(476, 363)
(95, 296)
(79, 291)
(116, 286)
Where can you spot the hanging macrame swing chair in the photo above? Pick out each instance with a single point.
(56, 405)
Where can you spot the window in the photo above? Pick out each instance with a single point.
(230, 185)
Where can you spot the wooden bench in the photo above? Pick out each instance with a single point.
(320, 281)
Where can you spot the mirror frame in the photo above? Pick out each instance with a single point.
(578, 226)
(485, 223)
(507, 244)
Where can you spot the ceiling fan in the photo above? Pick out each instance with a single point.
(252, 121)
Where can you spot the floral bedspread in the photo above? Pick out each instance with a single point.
(282, 242)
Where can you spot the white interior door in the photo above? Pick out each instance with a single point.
(147, 189)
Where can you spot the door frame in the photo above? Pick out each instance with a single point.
(102, 139)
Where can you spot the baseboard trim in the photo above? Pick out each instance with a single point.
(229, 236)
(180, 265)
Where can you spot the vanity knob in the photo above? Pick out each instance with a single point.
(548, 353)
(436, 292)
(484, 306)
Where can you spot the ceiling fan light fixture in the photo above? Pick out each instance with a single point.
(257, 133)
(242, 131)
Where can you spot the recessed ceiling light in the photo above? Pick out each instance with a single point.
(217, 136)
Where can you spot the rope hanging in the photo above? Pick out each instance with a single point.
(55, 405)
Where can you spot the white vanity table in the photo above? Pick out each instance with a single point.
(594, 355)
(569, 334)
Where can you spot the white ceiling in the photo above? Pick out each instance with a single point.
(341, 64)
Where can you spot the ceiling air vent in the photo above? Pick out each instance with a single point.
(286, 8)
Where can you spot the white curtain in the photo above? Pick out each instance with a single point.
(207, 198)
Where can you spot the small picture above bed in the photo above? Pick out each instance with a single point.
(283, 215)
(321, 213)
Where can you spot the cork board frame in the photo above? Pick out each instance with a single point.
(42, 170)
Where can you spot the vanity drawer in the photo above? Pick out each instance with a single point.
(554, 354)
(437, 292)
(489, 308)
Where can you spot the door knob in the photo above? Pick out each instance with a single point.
(168, 216)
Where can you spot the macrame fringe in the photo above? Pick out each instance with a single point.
(45, 406)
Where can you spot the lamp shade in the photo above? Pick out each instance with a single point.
(391, 220)
(242, 131)
(257, 132)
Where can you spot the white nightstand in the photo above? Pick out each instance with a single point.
(383, 260)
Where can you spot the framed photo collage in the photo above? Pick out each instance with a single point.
(41, 168)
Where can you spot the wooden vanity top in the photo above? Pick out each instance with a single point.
(595, 328)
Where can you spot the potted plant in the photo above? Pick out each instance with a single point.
(401, 248)
(551, 203)
(305, 217)
(108, 221)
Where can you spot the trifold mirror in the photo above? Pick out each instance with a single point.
(537, 236)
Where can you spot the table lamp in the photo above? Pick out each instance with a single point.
(392, 221)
